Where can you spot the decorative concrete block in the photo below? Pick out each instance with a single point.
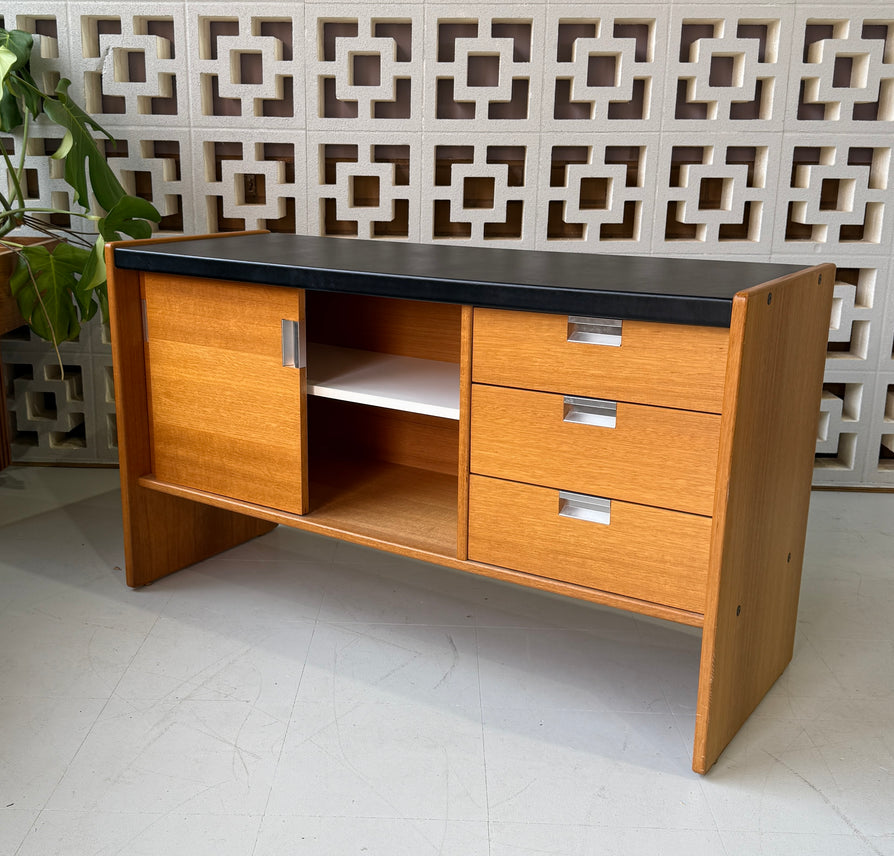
(595, 192)
(728, 69)
(603, 70)
(482, 191)
(247, 65)
(126, 62)
(365, 67)
(364, 185)
(880, 444)
(60, 414)
(835, 193)
(251, 179)
(842, 68)
(716, 193)
(483, 68)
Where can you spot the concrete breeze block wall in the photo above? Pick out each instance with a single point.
(748, 131)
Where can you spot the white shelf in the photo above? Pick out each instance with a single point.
(383, 380)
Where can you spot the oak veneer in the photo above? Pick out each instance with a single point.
(652, 455)
(777, 346)
(404, 510)
(646, 553)
(465, 440)
(375, 433)
(671, 365)
(214, 359)
(162, 533)
(407, 328)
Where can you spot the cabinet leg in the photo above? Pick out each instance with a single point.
(163, 534)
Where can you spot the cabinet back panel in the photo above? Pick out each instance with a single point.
(408, 328)
(347, 430)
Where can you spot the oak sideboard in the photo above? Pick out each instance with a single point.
(634, 431)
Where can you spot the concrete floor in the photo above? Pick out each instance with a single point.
(303, 696)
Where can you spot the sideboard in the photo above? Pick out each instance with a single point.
(637, 432)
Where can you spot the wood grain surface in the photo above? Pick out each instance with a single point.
(162, 533)
(226, 415)
(768, 435)
(653, 455)
(668, 365)
(465, 420)
(393, 541)
(408, 328)
(646, 553)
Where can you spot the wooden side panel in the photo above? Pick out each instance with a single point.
(652, 455)
(162, 533)
(668, 365)
(408, 328)
(645, 553)
(768, 434)
(465, 428)
(227, 416)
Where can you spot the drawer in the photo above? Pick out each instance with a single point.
(650, 455)
(647, 553)
(670, 365)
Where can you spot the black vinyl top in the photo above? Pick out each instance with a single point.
(646, 288)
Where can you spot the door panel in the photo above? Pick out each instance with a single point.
(226, 416)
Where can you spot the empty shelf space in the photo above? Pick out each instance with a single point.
(389, 502)
(390, 506)
(383, 380)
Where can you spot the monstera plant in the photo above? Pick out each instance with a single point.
(58, 285)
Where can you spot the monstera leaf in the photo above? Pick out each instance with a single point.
(16, 83)
(79, 146)
(58, 289)
(130, 215)
(46, 285)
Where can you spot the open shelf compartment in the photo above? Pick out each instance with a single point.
(391, 381)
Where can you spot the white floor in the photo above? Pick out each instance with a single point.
(301, 696)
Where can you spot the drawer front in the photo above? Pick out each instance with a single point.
(642, 552)
(669, 365)
(649, 455)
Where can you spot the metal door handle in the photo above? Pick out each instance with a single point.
(582, 506)
(294, 349)
(590, 411)
(594, 331)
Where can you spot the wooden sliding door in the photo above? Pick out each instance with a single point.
(226, 387)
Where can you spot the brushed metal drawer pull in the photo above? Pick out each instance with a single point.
(581, 506)
(590, 411)
(594, 331)
(294, 350)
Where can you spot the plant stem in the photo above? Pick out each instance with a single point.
(12, 211)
